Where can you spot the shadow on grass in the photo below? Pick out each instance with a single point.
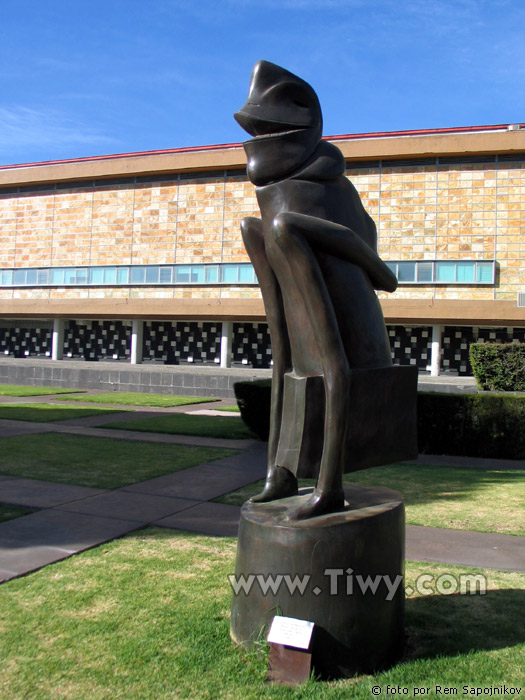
(447, 625)
(48, 413)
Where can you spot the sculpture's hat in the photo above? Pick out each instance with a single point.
(278, 101)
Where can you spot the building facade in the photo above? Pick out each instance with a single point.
(139, 258)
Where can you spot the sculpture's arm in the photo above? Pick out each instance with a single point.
(342, 243)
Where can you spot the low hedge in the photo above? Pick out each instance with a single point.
(473, 425)
(254, 399)
(498, 366)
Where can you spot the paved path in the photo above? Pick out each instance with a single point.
(71, 519)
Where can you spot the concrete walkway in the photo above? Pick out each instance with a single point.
(71, 519)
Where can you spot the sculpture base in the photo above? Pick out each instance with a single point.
(342, 571)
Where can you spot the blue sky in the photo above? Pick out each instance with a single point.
(113, 76)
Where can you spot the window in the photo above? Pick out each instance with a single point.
(57, 275)
(81, 276)
(465, 272)
(197, 274)
(182, 274)
(165, 275)
(30, 276)
(230, 273)
(485, 272)
(137, 274)
(212, 274)
(425, 271)
(97, 275)
(406, 272)
(122, 275)
(246, 274)
(152, 274)
(446, 272)
(110, 275)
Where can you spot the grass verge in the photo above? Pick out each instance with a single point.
(147, 617)
(138, 399)
(228, 409)
(16, 390)
(47, 413)
(185, 424)
(12, 512)
(97, 462)
(484, 500)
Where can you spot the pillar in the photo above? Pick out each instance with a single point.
(226, 344)
(57, 341)
(435, 356)
(137, 332)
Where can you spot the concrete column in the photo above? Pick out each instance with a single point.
(57, 342)
(226, 344)
(137, 332)
(435, 357)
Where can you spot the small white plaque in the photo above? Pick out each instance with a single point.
(291, 632)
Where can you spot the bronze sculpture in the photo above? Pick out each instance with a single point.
(338, 404)
(315, 254)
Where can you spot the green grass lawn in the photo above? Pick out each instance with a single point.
(138, 399)
(449, 497)
(228, 409)
(97, 462)
(147, 617)
(185, 424)
(11, 512)
(15, 390)
(47, 412)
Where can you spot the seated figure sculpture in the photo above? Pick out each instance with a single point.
(314, 251)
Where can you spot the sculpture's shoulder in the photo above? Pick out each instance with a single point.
(326, 163)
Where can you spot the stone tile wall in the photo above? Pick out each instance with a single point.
(429, 209)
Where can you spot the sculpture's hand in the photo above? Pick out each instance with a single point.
(341, 242)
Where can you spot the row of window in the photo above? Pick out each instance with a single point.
(417, 272)
(444, 272)
(226, 273)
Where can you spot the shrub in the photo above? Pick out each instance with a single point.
(253, 399)
(498, 367)
(473, 425)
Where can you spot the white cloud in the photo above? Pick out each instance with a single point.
(27, 127)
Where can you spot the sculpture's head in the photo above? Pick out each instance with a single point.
(283, 115)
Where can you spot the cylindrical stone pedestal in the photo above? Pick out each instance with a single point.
(342, 571)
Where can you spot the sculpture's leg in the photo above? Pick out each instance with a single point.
(328, 495)
(279, 481)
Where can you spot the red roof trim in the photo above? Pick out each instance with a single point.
(216, 147)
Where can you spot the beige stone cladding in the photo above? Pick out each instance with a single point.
(510, 234)
(8, 221)
(70, 228)
(200, 219)
(457, 211)
(425, 209)
(239, 201)
(112, 224)
(154, 223)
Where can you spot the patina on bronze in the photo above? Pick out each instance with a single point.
(337, 403)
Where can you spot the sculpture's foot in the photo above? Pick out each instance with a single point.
(281, 484)
(320, 503)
